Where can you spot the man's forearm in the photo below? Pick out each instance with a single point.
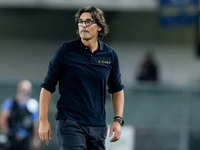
(118, 103)
(44, 102)
(3, 121)
(44, 126)
(118, 106)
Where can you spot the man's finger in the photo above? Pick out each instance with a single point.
(115, 137)
(111, 131)
(46, 140)
(49, 134)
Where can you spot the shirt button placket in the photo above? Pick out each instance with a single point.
(90, 57)
(89, 54)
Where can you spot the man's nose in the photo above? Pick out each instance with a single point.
(84, 24)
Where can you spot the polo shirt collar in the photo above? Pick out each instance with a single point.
(81, 45)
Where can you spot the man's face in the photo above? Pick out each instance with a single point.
(88, 29)
(24, 88)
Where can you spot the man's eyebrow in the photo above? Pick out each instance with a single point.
(87, 19)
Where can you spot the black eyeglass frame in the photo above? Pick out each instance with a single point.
(91, 22)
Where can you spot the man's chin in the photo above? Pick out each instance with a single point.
(85, 38)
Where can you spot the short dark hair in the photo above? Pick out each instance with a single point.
(98, 16)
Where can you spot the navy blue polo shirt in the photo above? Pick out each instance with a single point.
(83, 78)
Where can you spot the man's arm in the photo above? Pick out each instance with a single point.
(36, 141)
(44, 126)
(118, 106)
(4, 121)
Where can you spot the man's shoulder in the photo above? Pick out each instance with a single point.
(65, 47)
(106, 47)
(7, 104)
(73, 42)
(9, 100)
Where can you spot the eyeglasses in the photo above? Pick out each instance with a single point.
(88, 22)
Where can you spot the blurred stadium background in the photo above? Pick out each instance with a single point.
(163, 116)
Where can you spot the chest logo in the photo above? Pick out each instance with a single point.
(104, 62)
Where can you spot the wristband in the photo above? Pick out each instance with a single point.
(119, 119)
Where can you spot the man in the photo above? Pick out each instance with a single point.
(148, 69)
(19, 119)
(83, 68)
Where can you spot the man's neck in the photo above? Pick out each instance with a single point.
(92, 44)
(22, 98)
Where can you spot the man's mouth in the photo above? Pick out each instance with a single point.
(84, 31)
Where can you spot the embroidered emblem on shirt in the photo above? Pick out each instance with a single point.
(104, 62)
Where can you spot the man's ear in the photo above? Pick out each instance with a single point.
(99, 28)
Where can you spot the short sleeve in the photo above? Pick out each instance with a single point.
(7, 104)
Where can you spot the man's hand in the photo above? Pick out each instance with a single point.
(115, 127)
(36, 143)
(44, 131)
